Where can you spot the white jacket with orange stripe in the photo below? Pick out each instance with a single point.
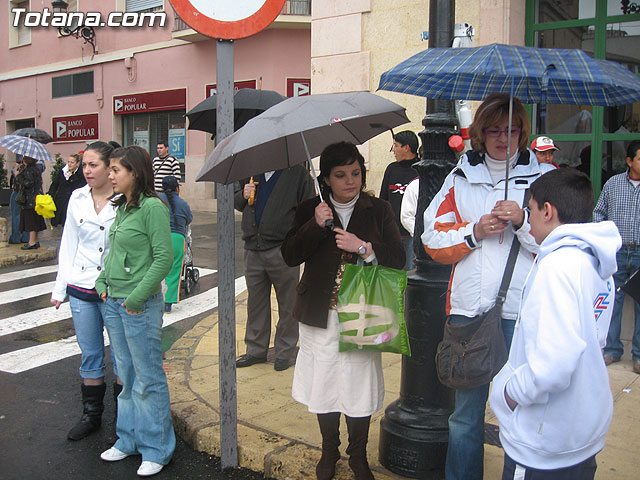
(478, 265)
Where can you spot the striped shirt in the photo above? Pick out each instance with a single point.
(163, 167)
(620, 203)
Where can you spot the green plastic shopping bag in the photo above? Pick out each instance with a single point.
(371, 309)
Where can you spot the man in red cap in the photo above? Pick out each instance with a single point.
(544, 150)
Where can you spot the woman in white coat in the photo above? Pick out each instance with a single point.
(83, 248)
(469, 225)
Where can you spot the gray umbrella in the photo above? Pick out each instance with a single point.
(298, 129)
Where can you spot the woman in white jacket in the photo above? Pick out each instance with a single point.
(470, 225)
(83, 248)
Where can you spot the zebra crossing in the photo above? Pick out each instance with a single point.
(25, 359)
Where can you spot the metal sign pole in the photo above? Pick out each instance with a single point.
(226, 267)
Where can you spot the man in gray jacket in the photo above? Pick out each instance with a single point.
(268, 206)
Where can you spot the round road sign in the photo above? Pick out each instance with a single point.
(228, 19)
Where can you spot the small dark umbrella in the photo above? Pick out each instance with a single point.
(247, 103)
(36, 134)
(632, 286)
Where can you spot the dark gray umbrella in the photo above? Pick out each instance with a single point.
(297, 130)
(36, 134)
(632, 286)
(247, 103)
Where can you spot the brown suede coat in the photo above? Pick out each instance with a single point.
(372, 221)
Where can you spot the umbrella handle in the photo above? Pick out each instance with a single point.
(252, 195)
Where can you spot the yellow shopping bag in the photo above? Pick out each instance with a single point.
(45, 206)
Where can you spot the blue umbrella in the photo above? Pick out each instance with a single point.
(534, 75)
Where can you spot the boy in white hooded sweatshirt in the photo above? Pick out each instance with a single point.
(552, 398)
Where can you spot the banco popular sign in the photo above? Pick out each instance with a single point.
(150, 101)
(76, 128)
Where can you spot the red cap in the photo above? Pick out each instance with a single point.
(542, 144)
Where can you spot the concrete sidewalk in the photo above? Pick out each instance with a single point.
(279, 437)
(12, 255)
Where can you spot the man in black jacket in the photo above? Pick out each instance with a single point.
(396, 178)
(266, 219)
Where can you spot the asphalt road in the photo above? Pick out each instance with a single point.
(39, 405)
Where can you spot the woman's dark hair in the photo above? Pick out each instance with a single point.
(567, 189)
(169, 186)
(338, 155)
(493, 110)
(103, 149)
(136, 160)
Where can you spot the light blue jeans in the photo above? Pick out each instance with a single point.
(89, 326)
(465, 453)
(144, 417)
(16, 235)
(628, 259)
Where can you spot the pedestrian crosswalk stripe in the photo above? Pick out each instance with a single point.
(29, 272)
(24, 293)
(44, 316)
(32, 357)
(33, 319)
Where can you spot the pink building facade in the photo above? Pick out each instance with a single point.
(138, 86)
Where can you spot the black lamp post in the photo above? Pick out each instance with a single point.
(87, 34)
(414, 431)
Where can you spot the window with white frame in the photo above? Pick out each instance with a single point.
(140, 5)
(18, 35)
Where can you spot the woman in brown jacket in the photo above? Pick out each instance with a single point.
(330, 382)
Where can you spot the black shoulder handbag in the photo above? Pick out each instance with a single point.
(471, 354)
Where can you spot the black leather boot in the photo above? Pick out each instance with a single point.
(358, 428)
(330, 430)
(92, 400)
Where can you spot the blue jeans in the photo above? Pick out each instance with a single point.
(16, 235)
(408, 251)
(89, 326)
(465, 454)
(628, 259)
(144, 416)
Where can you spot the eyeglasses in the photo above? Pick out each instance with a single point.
(496, 132)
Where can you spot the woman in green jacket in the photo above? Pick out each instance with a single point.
(140, 257)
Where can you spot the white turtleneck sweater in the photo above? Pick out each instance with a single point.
(497, 168)
(344, 210)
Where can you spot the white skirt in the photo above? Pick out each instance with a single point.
(327, 380)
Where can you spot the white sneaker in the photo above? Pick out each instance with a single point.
(149, 468)
(113, 455)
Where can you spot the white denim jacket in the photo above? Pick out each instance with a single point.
(85, 243)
